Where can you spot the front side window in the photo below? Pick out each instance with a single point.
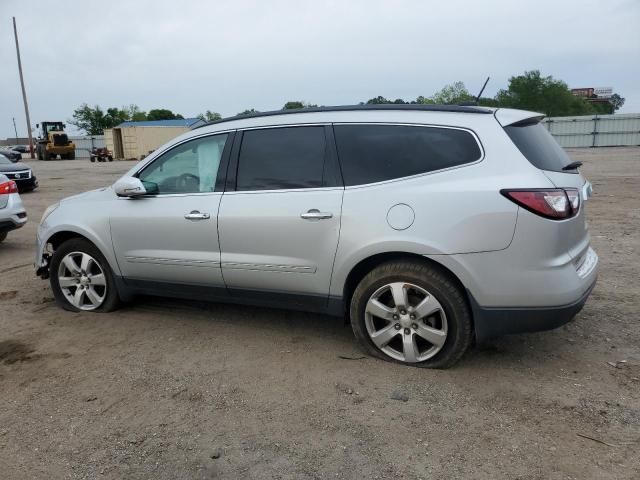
(191, 167)
(375, 153)
(281, 158)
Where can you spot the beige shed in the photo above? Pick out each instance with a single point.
(134, 140)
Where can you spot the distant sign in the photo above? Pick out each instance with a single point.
(603, 92)
(582, 92)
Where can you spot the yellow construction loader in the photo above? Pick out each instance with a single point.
(53, 141)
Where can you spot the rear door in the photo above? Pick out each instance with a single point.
(279, 218)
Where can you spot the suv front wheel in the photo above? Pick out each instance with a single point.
(81, 278)
(412, 313)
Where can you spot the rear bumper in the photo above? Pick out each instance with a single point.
(496, 322)
(13, 214)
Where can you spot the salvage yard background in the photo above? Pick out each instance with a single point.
(173, 389)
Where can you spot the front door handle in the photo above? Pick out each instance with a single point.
(315, 214)
(196, 215)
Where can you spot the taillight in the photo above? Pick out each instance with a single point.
(8, 187)
(556, 203)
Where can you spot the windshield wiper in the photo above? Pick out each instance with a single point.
(572, 166)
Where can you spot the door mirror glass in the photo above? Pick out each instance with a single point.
(129, 187)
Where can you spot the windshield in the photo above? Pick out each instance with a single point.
(4, 160)
(538, 146)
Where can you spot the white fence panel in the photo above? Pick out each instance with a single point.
(84, 144)
(595, 130)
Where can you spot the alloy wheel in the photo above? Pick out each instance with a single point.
(406, 322)
(82, 281)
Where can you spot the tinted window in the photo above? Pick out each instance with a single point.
(538, 146)
(188, 168)
(374, 153)
(279, 158)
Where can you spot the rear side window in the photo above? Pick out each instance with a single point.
(538, 146)
(374, 153)
(281, 158)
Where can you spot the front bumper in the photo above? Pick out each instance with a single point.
(26, 183)
(496, 322)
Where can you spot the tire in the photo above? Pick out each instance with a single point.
(105, 291)
(3, 236)
(92, 159)
(449, 325)
(71, 156)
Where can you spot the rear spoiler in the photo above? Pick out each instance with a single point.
(509, 116)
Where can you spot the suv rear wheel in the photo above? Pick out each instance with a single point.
(411, 313)
(81, 278)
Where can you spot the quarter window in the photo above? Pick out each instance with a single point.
(191, 167)
(375, 153)
(281, 158)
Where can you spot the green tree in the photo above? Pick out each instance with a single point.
(292, 105)
(249, 111)
(135, 114)
(298, 104)
(210, 116)
(616, 102)
(162, 114)
(452, 94)
(532, 91)
(93, 120)
(89, 119)
(379, 100)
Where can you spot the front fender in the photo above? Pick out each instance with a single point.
(95, 236)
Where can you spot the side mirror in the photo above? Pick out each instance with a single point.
(129, 187)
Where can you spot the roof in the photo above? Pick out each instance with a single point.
(368, 107)
(179, 122)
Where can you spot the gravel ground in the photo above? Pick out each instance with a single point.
(169, 389)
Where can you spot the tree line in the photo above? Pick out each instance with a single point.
(529, 91)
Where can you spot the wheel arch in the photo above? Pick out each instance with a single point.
(364, 266)
(63, 234)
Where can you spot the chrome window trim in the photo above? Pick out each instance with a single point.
(162, 195)
(288, 190)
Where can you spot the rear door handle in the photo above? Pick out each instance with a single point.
(196, 215)
(315, 214)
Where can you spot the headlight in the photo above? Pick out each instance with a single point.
(49, 211)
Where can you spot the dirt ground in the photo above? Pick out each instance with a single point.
(169, 389)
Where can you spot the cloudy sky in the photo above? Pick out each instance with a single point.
(226, 56)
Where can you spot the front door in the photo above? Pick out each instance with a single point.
(279, 226)
(170, 235)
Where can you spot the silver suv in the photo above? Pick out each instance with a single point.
(428, 226)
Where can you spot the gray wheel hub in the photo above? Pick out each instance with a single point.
(82, 281)
(406, 322)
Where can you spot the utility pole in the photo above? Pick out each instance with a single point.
(15, 129)
(24, 92)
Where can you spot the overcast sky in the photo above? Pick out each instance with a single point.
(227, 56)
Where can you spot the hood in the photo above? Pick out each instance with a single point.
(97, 194)
(13, 167)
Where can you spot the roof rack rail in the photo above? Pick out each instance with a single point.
(349, 108)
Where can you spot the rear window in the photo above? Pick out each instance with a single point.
(375, 153)
(538, 146)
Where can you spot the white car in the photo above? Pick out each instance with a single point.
(12, 212)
